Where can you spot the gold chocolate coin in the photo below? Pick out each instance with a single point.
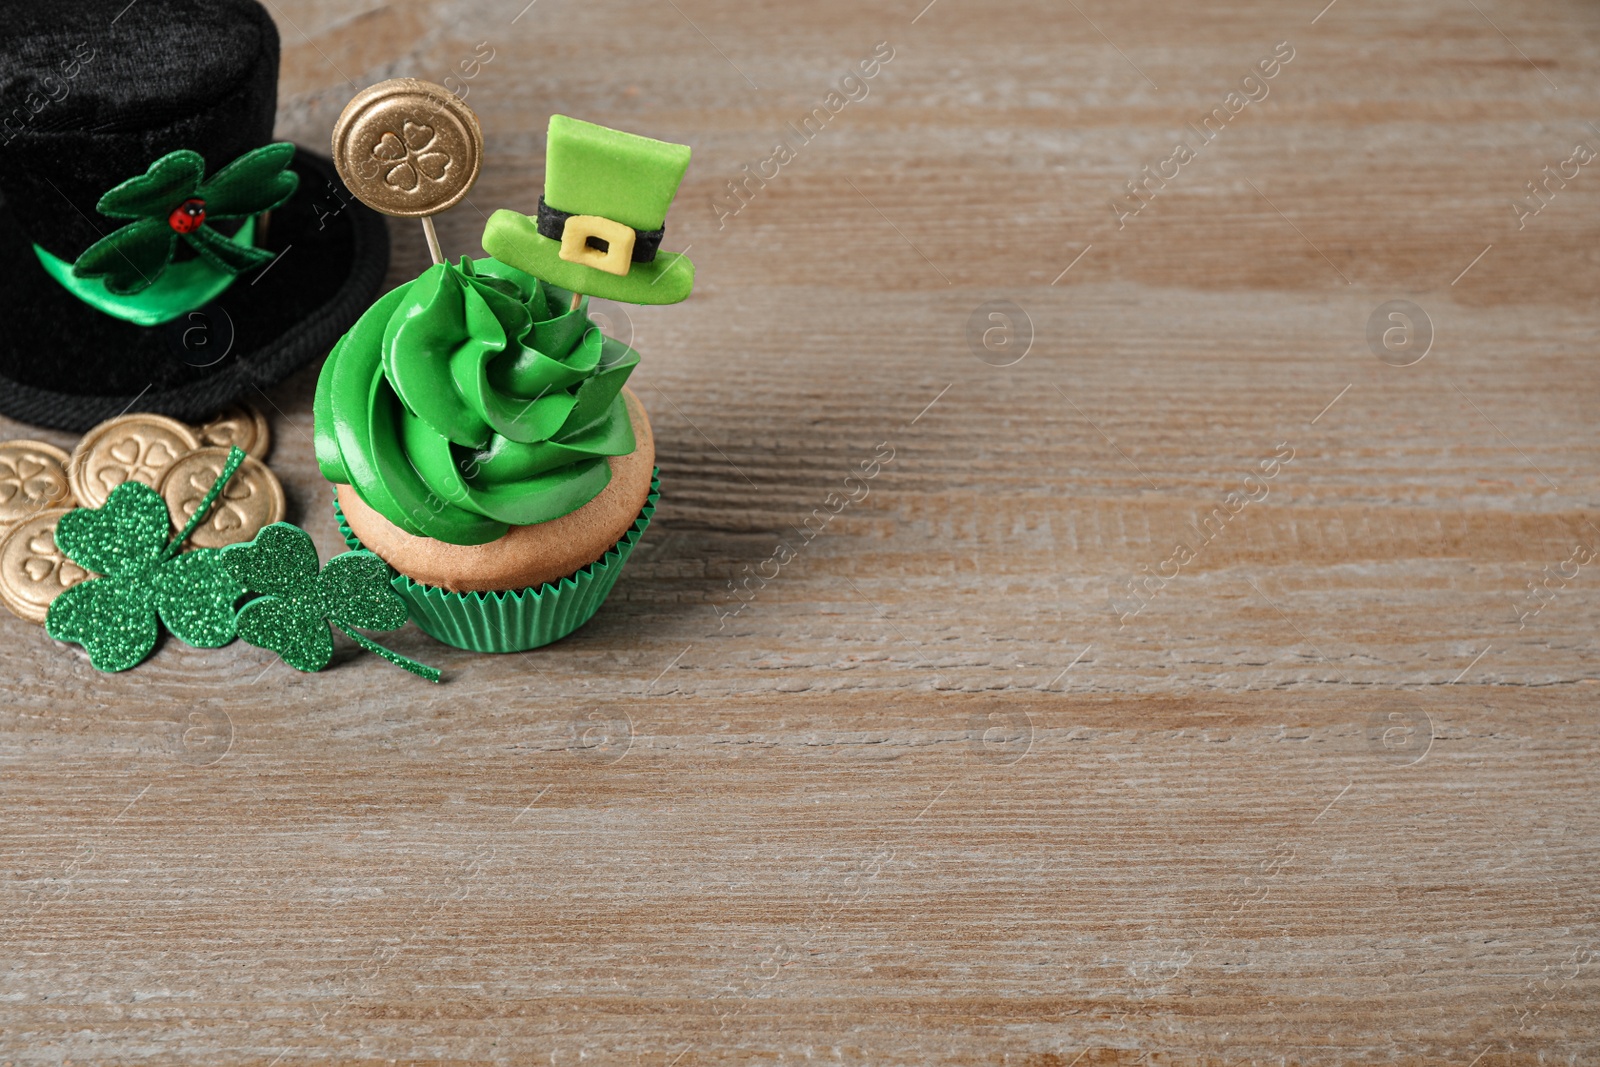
(33, 571)
(33, 477)
(128, 448)
(242, 425)
(407, 147)
(252, 498)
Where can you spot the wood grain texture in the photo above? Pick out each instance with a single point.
(944, 790)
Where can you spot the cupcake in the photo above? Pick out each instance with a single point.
(475, 422)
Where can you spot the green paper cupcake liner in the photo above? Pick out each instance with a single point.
(516, 621)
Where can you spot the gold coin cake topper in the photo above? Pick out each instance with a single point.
(408, 148)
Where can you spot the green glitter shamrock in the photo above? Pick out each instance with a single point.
(144, 577)
(292, 618)
(170, 200)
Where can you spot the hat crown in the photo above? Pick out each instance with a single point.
(594, 170)
(90, 97)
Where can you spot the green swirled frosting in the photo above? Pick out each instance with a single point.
(471, 400)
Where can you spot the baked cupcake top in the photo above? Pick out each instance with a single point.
(471, 400)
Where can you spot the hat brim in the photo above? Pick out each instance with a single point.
(66, 365)
(514, 239)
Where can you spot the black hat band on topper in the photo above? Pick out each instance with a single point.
(645, 244)
(145, 207)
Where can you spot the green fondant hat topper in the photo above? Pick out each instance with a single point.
(601, 219)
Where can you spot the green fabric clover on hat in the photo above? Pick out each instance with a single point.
(601, 219)
(174, 199)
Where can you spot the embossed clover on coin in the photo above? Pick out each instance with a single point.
(408, 157)
(253, 497)
(33, 570)
(242, 425)
(45, 563)
(33, 477)
(129, 448)
(408, 148)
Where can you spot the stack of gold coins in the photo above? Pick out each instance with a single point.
(39, 483)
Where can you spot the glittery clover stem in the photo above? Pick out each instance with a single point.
(235, 457)
(419, 669)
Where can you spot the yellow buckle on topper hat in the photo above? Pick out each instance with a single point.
(599, 182)
(601, 243)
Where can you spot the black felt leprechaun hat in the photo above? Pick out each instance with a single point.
(161, 252)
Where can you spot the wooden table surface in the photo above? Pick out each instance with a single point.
(1196, 684)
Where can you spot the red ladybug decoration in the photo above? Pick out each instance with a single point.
(187, 216)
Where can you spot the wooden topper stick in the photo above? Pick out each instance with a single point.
(433, 239)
